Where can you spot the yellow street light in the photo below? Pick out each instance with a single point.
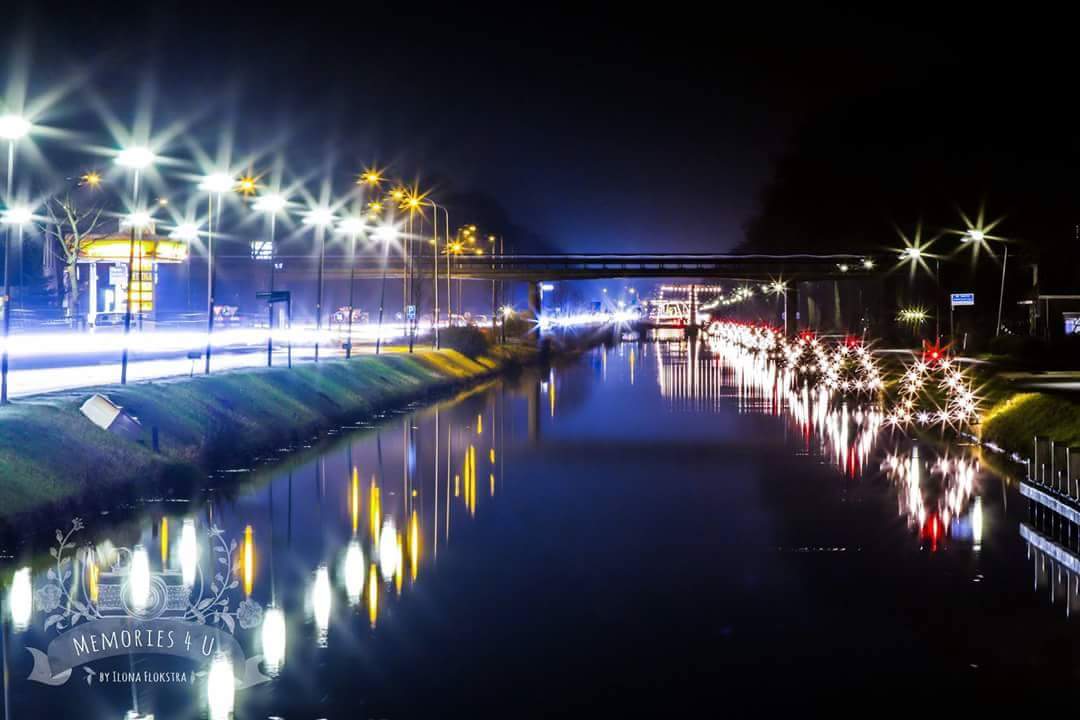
(247, 185)
(370, 177)
(92, 179)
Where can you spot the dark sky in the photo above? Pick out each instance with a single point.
(599, 130)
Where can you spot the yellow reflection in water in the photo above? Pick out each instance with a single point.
(248, 560)
(355, 501)
(414, 546)
(374, 511)
(373, 595)
(551, 389)
(92, 578)
(479, 424)
(400, 572)
(164, 537)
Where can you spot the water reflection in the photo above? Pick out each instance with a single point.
(336, 545)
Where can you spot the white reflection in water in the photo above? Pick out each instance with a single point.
(389, 552)
(938, 499)
(21, 599)
(273, 640)
(139, 578)
(354, 572)
(220, 687)
(321, 600)
(189, 552)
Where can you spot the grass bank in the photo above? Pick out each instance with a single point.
(50, 454)
(1012, 422)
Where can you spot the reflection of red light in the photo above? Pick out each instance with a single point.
(931, 530)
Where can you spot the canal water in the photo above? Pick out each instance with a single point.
(653, 526)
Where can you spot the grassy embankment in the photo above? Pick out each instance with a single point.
(50, 453)
(1011, 417)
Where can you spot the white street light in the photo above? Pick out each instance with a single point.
(351, 226)
(319, 217)
(973, 234)
(187, 232)
(13, 127)
(138, 220)
(20, 215)
(270, 203)
(218, 182)
(135, 158)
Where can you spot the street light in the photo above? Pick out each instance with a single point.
(17, 216)
(217, 183)
(14, 127)
(353, 227)
(136, 159)
(979, 237)
(319, 218)
(271, 204)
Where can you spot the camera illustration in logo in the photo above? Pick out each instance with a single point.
(131, 588)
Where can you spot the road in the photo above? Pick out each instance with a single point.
(48, 362)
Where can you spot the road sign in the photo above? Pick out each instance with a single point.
(118, 275)
(959, 299)
(412, 312)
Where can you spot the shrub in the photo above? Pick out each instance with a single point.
(468, 340)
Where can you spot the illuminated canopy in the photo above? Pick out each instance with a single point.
(117, 248)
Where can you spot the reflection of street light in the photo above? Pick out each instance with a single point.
(271, 204)
(319, 218)
(21, 599)
(139, 578)
(273, 639)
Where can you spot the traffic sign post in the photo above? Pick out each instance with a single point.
(958, 300)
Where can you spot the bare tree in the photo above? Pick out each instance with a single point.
(70, 227)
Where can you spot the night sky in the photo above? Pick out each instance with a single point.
(579, 130)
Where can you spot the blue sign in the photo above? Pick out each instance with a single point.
(412, 312)
(959, 299)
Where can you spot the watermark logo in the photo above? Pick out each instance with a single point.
(105, 604)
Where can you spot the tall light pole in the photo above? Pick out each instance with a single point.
(435, 263)
(17, 216)
(352, 227)
(12, 128)
(386, 233)
(214, 184)
(136, 159)
(271, 204)
(319, 218)
(980, 238)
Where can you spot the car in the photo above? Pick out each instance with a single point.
(108, 319)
